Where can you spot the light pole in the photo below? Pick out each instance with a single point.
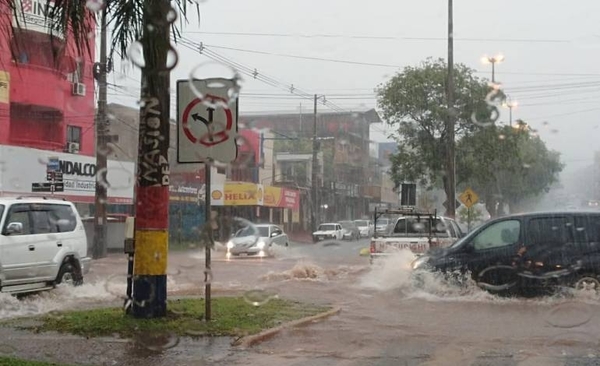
(510, 104)
(493, 60)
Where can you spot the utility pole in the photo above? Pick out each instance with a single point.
(450, 143)
(101, 196)
(314, 170)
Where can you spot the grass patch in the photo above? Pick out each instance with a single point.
(11, 361)
(231, 316)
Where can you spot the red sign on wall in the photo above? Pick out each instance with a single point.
(290, 199)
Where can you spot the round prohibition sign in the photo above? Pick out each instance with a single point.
(208, 139)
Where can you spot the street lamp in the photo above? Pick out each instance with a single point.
(493, 60)
(510, 104)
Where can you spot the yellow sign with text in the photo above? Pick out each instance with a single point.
(242, 194)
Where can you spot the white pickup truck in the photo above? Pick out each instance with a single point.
(418, 231)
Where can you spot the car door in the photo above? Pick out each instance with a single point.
(47, 240)
(17, 252)
(550, 249)
(495, 250)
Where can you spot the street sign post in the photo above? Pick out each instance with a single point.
(207, 121)
(469, 198)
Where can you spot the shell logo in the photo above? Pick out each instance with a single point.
(260, 194)
(216, 194)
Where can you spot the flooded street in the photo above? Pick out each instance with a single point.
(385, 320)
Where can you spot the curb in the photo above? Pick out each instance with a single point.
(254, 339)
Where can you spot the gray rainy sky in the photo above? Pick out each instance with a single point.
(551, 50)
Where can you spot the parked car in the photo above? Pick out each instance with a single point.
(42, 244)
(525, 252)
(257, 240)
(328, 231)
(383, 225)
(365, 227)
(350, 230)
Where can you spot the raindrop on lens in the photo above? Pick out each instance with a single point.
(6, 349)
(501, 137)
(95, 5)
(135, 53)
(257, 297)
(569, 315)
(157, 341)
(195, 328)
(171, 16)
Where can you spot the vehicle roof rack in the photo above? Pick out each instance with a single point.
(42, 197)
(406, 210)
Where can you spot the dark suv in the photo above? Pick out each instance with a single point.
(526, 252)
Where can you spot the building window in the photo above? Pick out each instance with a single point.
(74, 135)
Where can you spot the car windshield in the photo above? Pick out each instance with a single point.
(263, 231)
(361, 223)
(347, 224)
(383, 222)
(326, 227)
(246, 231)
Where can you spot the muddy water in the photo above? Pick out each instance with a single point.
(385, 319)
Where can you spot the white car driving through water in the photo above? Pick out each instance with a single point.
(256, 240)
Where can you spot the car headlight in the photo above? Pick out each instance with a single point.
(260, 244)
(229, 244)
(420, 262)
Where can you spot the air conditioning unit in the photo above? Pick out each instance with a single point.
(79, 89)
(72, 147)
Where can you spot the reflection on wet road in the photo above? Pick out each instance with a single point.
(385, 320)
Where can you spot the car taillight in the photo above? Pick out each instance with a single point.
(372, 248)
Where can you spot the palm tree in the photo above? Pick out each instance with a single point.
(141, 29)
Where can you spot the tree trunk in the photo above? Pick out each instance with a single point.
(152, 188)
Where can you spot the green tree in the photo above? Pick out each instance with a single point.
(414, 102)
(506, 165)
(141, 29)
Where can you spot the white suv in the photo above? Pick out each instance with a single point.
(42, 244)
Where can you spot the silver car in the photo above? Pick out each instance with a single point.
(256, 240)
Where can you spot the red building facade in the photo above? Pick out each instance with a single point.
(46, 85)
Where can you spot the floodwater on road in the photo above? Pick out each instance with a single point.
(385, 319)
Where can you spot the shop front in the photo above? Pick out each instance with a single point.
(257, 203)
(32, 172)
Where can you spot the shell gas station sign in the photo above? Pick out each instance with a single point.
(250, 194)
(237, 194)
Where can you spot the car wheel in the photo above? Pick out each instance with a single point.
(69, 274)
(587, 282)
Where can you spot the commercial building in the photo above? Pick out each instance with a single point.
(47, 113)
(343, 181)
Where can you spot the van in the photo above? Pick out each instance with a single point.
(525, 252)
(42, 244)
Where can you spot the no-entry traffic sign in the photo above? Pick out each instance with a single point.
(207, 121)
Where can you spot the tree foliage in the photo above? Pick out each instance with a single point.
(503, 164)
(506, 164)
(414, 102)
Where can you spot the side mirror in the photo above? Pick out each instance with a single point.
(274, 234)
(14, 228)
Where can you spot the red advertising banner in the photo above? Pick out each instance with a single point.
(290, 199)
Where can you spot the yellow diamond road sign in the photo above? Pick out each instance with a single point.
(469, 198)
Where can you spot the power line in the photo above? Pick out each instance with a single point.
(352, 62)
(387, 38)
